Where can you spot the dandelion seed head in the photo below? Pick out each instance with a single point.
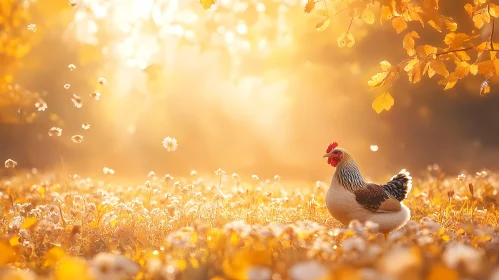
(71, 67)
(67, 86)
(374, 148)
(85, 126)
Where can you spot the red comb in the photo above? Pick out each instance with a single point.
(331, 147)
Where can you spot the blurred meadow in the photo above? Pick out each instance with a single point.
(90, 89)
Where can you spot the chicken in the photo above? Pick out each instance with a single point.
(351, 198)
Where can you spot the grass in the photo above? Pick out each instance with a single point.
(204, 228)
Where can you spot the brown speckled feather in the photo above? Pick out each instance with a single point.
(373, 197)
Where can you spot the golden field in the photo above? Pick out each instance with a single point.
(227, 227)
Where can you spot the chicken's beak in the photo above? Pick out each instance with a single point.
(326, 155)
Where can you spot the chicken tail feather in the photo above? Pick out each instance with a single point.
(399, 185)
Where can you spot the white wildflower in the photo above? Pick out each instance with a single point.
(10, 163)
(170, 144)
(77, 139)
(55, 131)
(77, 101)
(460, 255)
(108, 171)
(219, 172)
(32, 27)
(95, 95)
(102, 81)
(111, 266)
(258, 272)
(309, 270)
(41, 106)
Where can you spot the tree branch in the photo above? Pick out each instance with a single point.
(453, 51)
(492, 31)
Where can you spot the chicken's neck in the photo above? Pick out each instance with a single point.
(348, 175)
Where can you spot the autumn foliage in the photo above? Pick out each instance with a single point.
(461, 53)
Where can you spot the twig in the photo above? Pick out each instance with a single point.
(492, 35)
(491, 32)
(350, 25)
(453, 51)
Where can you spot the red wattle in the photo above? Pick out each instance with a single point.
(332, 162)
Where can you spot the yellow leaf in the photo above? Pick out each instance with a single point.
(414, 34)
(399, 24)
(474, 69)
(309, 6)
(408, 44)
(72, 268)
(53, 256)
(478, 20)
(486, 17)
(439, 67)
(440, 271)
(484, 88)
(346, 40)
(411, 64)
(494, 10)
(383, 102)
(469, 9)
(416, 72)
(14, 241)
(321, 26)
(385, 65)
(386, 13)
(207, 3)
(368, 15)
(426, 51)
(463, 56)
(450, 82)
(377, 79)
(451, 25)
(486, 68)
(29, 222)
